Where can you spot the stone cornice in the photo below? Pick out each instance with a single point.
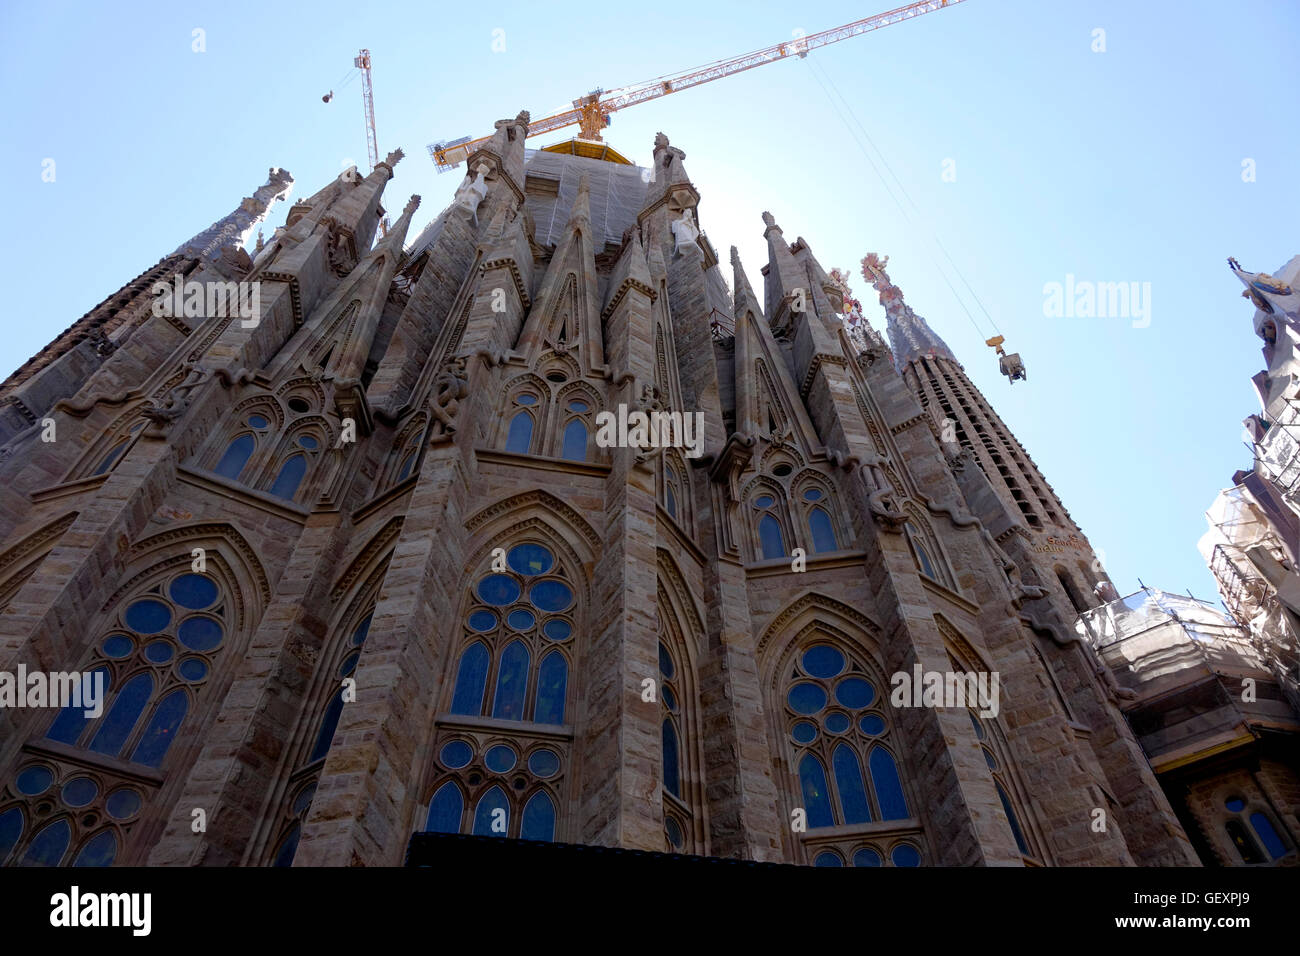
(622, 291)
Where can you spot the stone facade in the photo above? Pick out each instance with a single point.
(358, 566)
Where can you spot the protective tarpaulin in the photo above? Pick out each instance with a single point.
(617, 194)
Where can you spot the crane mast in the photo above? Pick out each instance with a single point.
(591, 112)
(362, 63)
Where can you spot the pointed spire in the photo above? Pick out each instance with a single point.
(233, 230)
(580, 214)
(743, 297)
(396, 237)
(909, 334)
(747, 349)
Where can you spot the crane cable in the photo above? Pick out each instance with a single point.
(814, 68)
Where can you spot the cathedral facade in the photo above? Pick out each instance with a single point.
(354, 555)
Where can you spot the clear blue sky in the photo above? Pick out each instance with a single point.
(1115, 166)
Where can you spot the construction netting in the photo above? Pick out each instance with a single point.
(617, 194)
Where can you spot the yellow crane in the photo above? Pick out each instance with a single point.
(592, 112)
(362, 63)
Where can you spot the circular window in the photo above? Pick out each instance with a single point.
(257, 421)
(199, 633)
(456, 754)
(827, 858)
(193, 591)
(192, 668)
(159, 652)
(782, 470)
(498, 589)
(34, 780)
(299, 405)
(763, 501)
(148, 616)
(905, 855)
(530, 559)
(814, 494)
(867, 857)
(823, 661)
(117, 646)
(557, 629)
(499, 759)
(482, 620)
(855, 693)
(804, 732)
(673, 830)
(579, 407)
(521, 620)
(665, 662)
(556, 376)
(806, 698)
(525, 399)
(551, 595)
(306, 441)
(544, 763)
(871, 725)
(1235, 804)
(123, 804)
(79, 791)
(836, 722)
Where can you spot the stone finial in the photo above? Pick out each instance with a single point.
(661, 142)
(735, 257)
(393, 158)
(412, 204)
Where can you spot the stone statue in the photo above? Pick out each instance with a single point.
(685, 233)
(471, 191)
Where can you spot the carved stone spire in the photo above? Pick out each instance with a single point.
(233, 230)
(909, 334)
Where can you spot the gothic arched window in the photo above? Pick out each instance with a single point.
(110, 459)
(520, 437)
(301, 449)
(837, 726)
(771, 539)
(257, 428)
(924, 563)
(577, 411)
(1253, 833)
(821, 529)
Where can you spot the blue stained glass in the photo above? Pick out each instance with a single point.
(290, 477)
(848, 779)
(445, 810)
(68, 725)
(363, 630)
(162, 729)
(200, 633)
(804, 732)
(871, 724)
(122, 717)
(111, 458)
(148, 616)
(1235, 804)
(11, 831)
(552, 683)
(482, 620)
(499, 759)
(854, 692)
(329, 724)
(34, 780)
(521, 620)
(512, 683)
(1263, 828)
(304, 799)
(812, 494)
(806, 698)
(123, 804)
(520, 438)
(288, 849)
(257, 421)
(193, 669)
(827, 858)
(471, 681)
(101, 850)
(194, 591)
(539, 819)
(764, 501)
(867, 857)
(159, 652)
(905, 855)
(79, 791)
(456, 754)
(492, 816)
(525, 399)
(557, 629)
(770, 538)
(575, 441)
(551, 595)
(530, 559)
(544, 763)
(349, 664)
(1012, 819)
(823, 535)
(837, 723)
(672, 768)
(670, 500)
(306, 441)
(666, 662)
(816, 794)
(673, 830)
(48, 846)
(117, 646)
(669, 698)
(889, 789)
(407, 464)
(236, 457)
(823, 661)
(979, 728)
(498, 589)
(576, 406)
(990, 760)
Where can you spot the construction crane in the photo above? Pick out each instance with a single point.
(362, 63)
(592, 112)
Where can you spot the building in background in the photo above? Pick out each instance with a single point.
(372, 561)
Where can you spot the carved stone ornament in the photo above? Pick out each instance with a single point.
(175, 402)
(881, 498)
(451, 385)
